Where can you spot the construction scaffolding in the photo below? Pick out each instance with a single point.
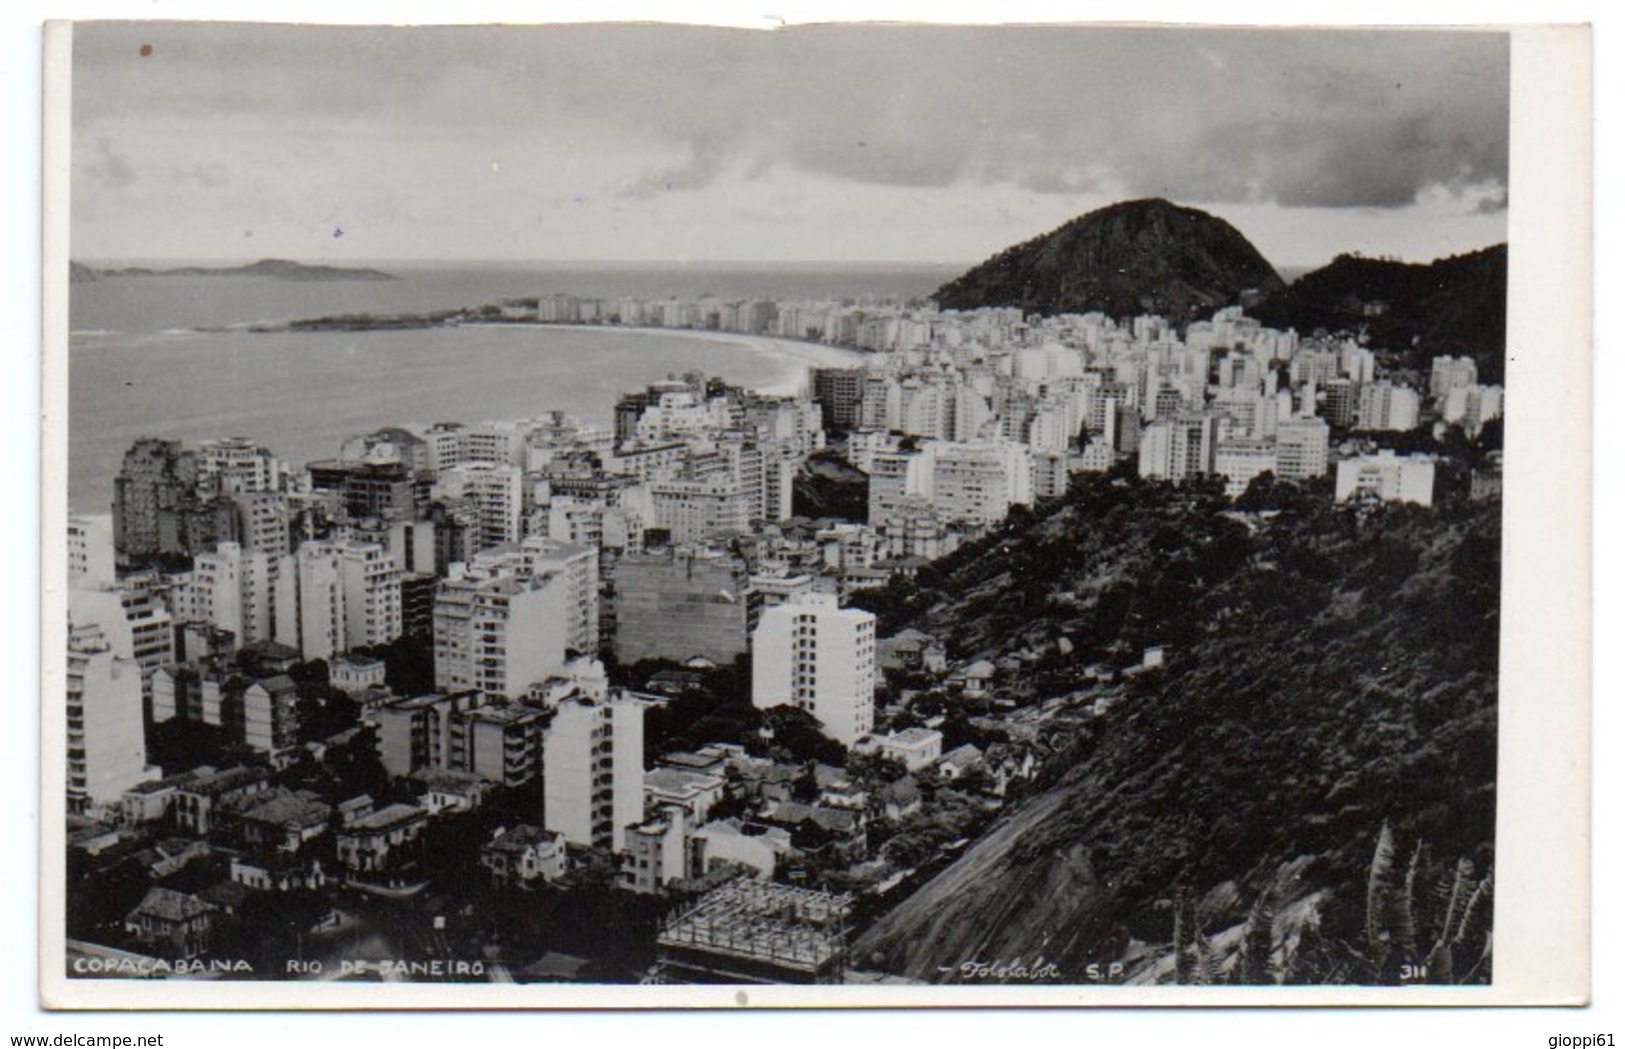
(750, 931)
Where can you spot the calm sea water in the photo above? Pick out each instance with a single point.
(137, 369)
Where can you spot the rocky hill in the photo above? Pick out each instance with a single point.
(1454, 305)
(1329, 673)
(1139, 256)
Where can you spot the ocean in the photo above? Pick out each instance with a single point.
(138, 366)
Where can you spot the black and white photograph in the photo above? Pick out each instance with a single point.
(633, 514)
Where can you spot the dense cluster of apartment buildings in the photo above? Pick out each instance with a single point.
(522, 554)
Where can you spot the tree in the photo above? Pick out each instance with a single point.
(805, 788)
(800, 737)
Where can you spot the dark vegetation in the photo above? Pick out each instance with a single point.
(1457, 304)
(1332, 672)
(1139, 256)
(828, 486)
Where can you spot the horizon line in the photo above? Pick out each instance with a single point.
(96, 261)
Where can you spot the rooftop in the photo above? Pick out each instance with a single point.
(679, 781)
(171, 906)
(388, 817)
(913, 736)
(785, 925)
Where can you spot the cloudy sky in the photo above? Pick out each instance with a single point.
(817, 143)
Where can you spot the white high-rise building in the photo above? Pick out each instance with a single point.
(231, 589)
(577, 566)
(499, 630)
(814, 655)
(236, 464)
(576, 520)
(696, 508)
(90, 550)
(310, 601)
(501, 443)
(335, 595)
(1472, 406)
(1450, 373)
(896, 476)
(1178, 448)
(496, 491)
(442, 446)
(980, 481)
(1384, 406)
(262, 521)
(107, 753)
(1241, 459)
(134, 620)
(592, 770)
(372, 593)
(1301, 447)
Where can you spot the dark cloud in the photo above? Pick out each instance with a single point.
(1304, 118)
(1493, 202)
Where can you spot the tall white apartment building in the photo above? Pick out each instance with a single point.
(696, 507)
(1301, 447)
(1179, 448)
(231, 589)
(107, 753)
(496, 491)
(926, 408)
(310, 613)
(90, 550)
(236, 464)
(980, 481)
(881, 406)
(863, 445)
(1472, 406)
(1449, 373)
(135, 622)
(898, 475)
(592, 770)
(577, 567)
(372, 593)
(1384, 406)
(576, 520)
(1241, 459)
(818, 657)
(501, 443)
(780, 461)
(262, 522)
(499, 631)
(335, 595)
(443, 446)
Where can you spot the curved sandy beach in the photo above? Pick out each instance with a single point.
(792, 351)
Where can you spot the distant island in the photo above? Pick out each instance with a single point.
(276, 269)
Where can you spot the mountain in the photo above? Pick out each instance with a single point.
(1331, 678)
(1416, 310)
(1139, 256)
(275, 269)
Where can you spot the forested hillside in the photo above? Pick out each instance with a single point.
(1329, 672)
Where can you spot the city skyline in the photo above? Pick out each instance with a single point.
(834, 143)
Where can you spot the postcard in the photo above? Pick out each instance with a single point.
(662, 515)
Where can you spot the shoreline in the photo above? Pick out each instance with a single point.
(802, 354)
